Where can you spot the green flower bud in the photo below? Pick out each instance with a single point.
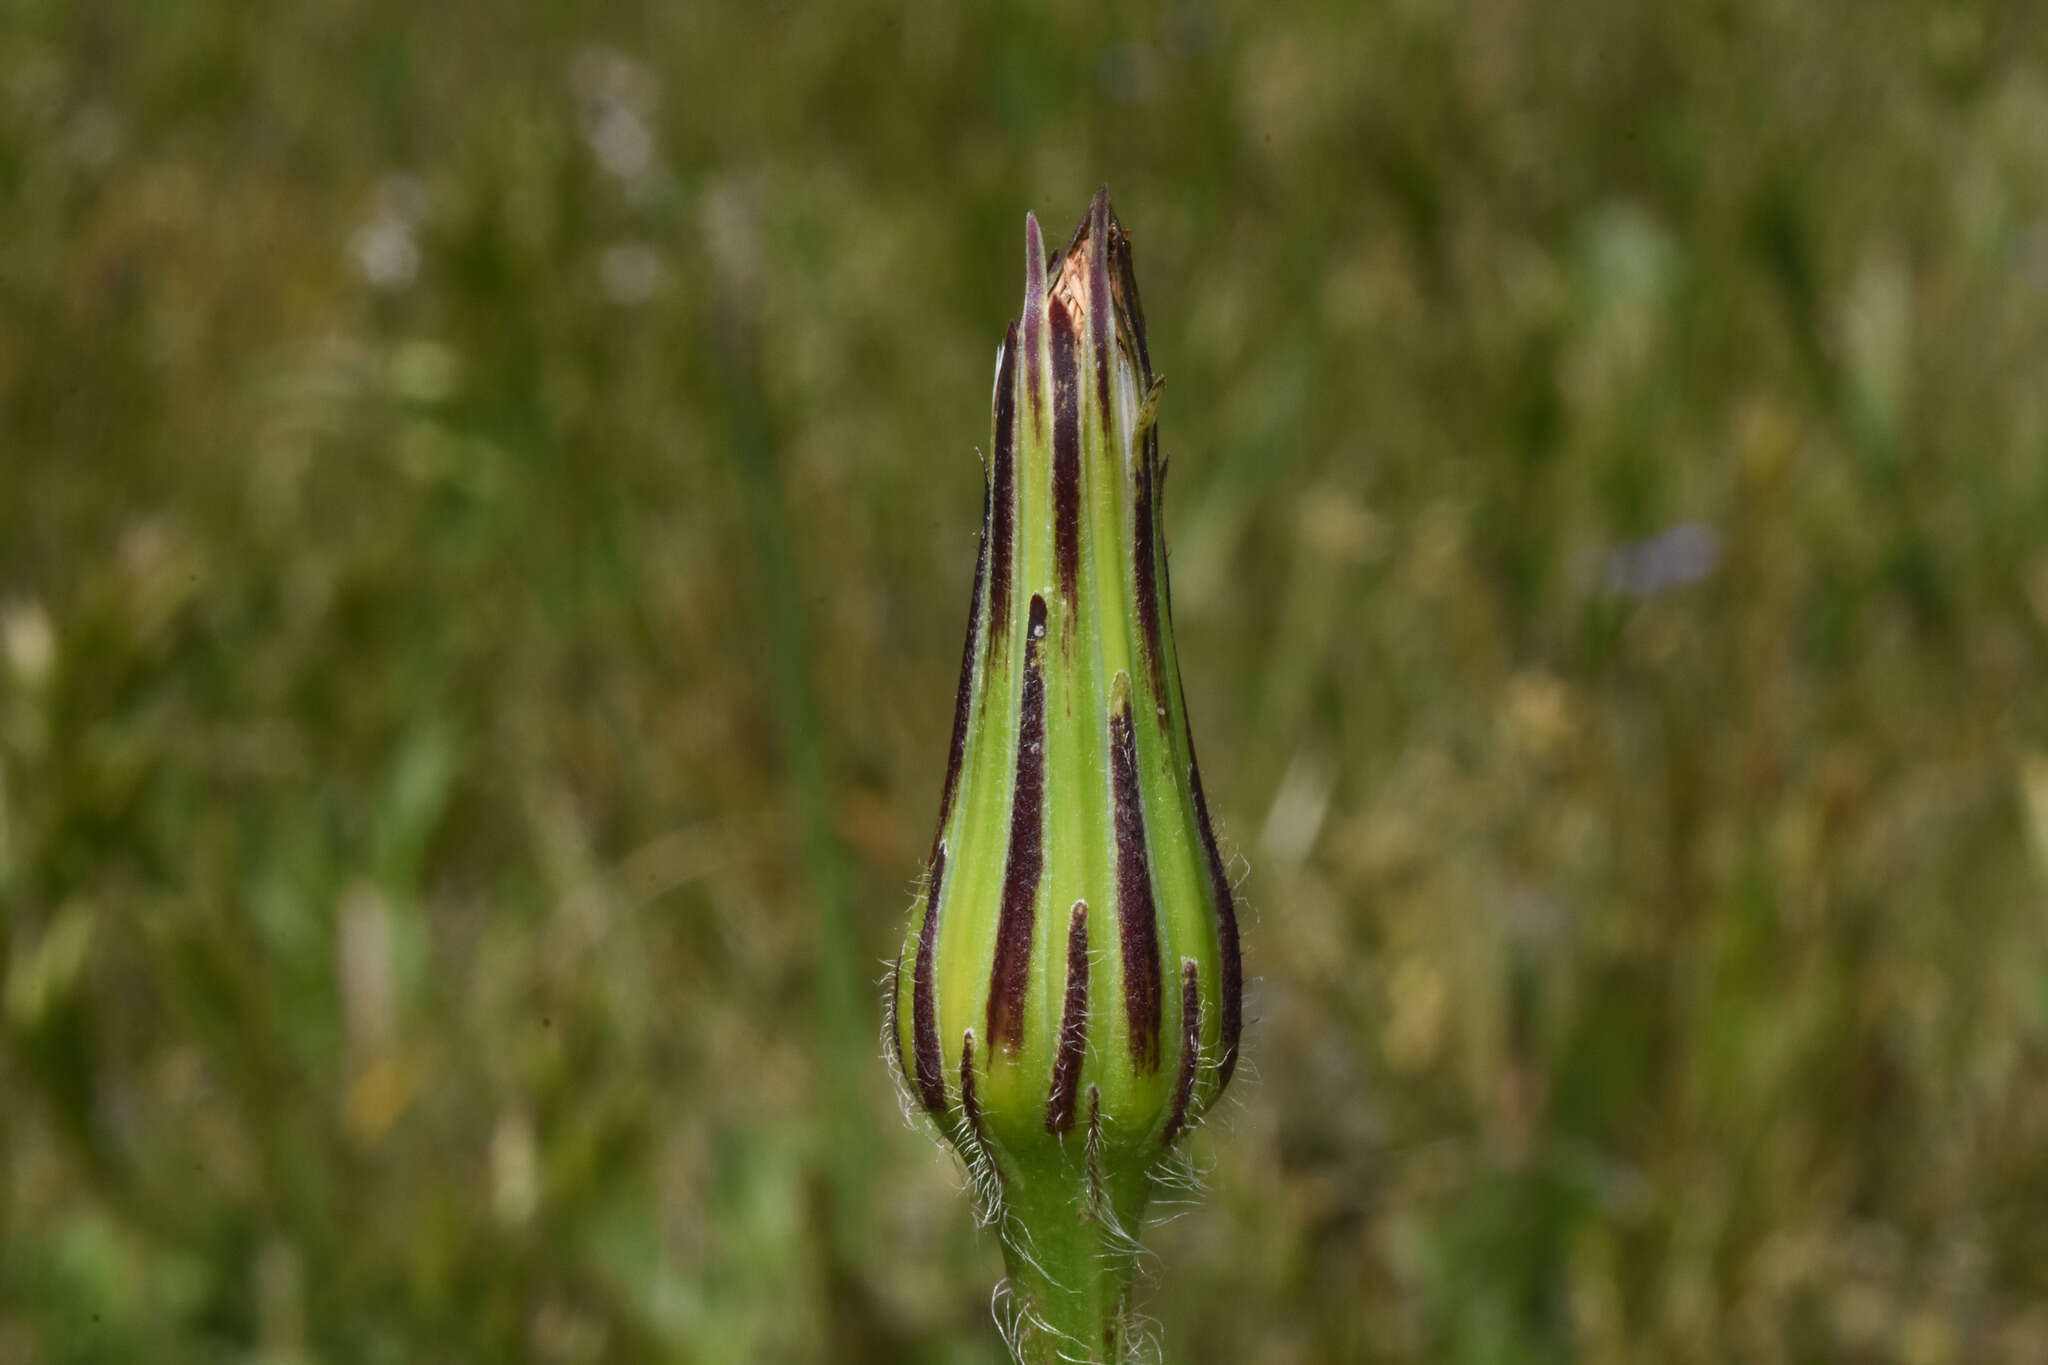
(1067, 1002)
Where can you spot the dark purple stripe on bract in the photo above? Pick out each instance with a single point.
(1134, 312)
(1226, 931)
(1000, 541)
(1066, 1066)
(924, 1015)
(1232, 1004)
(1190, 1047)
(1144, 548)
(1027, 851)
(964, 698)
(1100, 306)
(970, 1104)
(1137, 919)
(1066, 450)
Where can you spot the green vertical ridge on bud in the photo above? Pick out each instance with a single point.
(1066, 1003)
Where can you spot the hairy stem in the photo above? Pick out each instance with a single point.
(1071, 1274)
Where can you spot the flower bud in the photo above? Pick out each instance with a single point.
(1068, 998)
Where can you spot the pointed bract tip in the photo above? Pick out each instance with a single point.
(1100, 212)
(1099, 219)
(1034, 262)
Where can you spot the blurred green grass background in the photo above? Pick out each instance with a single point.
(487, 496)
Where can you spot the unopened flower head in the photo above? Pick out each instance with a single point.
(1068, 998)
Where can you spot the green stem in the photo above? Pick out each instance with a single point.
(1071, 1271)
